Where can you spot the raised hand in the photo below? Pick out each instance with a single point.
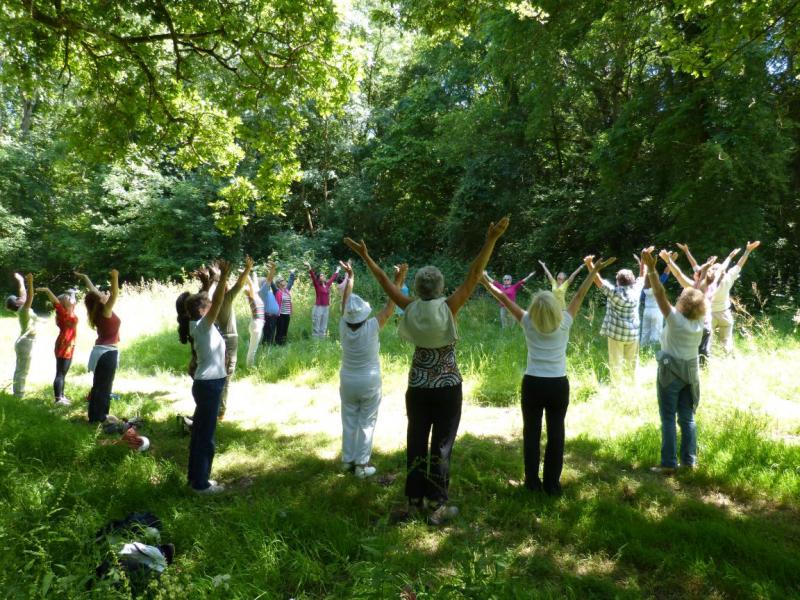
(307, 265)
(222, 267)
(400, 271)
(733, 253)
(674, 255)
(346, 267)
(682, 247)
(588, 261)
(486, 280)
(753, 245)
(666, 256)
(114, 273)
(359, 248)
(248, 263)
(648, 259)
(20, 278)
(602, 264)
(29, 278)
(497, 229)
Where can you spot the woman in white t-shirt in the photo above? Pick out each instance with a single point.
(545, 387)
(360, 373)
(209, 381)
(678, 380)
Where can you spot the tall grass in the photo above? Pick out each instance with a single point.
(294, 527)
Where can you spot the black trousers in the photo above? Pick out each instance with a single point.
(433, 414)
(62, 368)
(270, 329)
(100, 394)
(704, 351)
(551, 396)
(207, 394)
(282, 329)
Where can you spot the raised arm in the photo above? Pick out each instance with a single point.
(348, 286)
(575, 273)
(547, 273)
(526, 278)
(655, 283)
(589, 262)
(88, 282)
(50, 295)
(332, 278)
(219, 292)
(292, 277)
(685, 249)
(28, 291)
(108, 307)
(400, 272)
(676, 271)
(577, 299)
(243, 276)
(476, 270)
(748, 249)
(22, 294)
(500, 296)
(203, 275)
(388, 286)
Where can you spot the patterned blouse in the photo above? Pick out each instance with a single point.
(67, 329)
(434, 368)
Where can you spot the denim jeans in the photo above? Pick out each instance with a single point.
(676, 399)
(207, 394)
(551, 396)
(433, 413)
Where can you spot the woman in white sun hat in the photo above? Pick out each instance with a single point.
(360, 374)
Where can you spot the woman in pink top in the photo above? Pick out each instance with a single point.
(510, 290)
(104, 358)
(322, 290)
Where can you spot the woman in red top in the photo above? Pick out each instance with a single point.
(104, 358)
(67, 322)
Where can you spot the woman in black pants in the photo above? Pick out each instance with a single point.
(545, 387)
(433, 398)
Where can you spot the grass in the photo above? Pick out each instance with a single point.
(295, 528)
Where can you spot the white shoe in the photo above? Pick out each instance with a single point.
(364, 471)
(63, 401)
(214, 488)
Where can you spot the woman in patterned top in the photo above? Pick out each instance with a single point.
(433, 397)
(67, 322)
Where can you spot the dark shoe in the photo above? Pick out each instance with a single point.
(443, 514)
(552, 490)
(533, 486)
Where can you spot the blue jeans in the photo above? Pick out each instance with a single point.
(207, 394)
(676, 399)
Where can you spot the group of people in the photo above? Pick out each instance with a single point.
(428, 320)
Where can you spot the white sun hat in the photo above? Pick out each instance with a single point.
(357, 309)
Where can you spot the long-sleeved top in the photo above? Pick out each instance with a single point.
(322, 289)
(284, 296)
(271, 306)
(621, 322)
(510, 290)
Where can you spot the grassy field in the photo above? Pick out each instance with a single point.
(294, 527)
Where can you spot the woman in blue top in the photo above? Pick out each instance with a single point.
(545, 387)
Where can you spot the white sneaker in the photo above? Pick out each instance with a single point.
(364, 471)
(214, 488)
(63, 401)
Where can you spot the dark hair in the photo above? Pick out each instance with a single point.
(93, 307)
(12, 303)
(183, 317)
(355, 326)
(194, 303)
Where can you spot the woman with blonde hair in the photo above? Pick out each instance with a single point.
(545, 387)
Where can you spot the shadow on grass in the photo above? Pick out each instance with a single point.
(292, 525)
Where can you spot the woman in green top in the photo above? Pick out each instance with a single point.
(560, 284)
(21, 304)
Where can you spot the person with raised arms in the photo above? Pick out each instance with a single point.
(21, 304)
(360, 373)
(322, 300)
(210, 379)
(272, 309)
(510, 290)
(104, 358)
(678, 377)
(256, 317)
(67, 323)
(545, 386)
(560, 283)
(283, 296)
(434, 394)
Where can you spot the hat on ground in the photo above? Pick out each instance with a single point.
(357, 309)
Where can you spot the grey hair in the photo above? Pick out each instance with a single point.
(429, 283)
(625, 277)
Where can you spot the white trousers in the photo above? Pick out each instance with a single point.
(256, 327)
(319, 321)
(722, 329)
(22, 347)
(652, 324)
(360, 402)
(622, 357)
(505, 318)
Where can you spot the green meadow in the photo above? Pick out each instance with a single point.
(293, 526)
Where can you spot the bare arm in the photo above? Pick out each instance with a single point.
(243, 276)
(528, 276)
(684, 281)
(400, 272)
(29, 291)
(575, 274)
(748, 249)
(108, 307)
(500, 296)
(685, 249)
(597, 280)
(547, 273)
(655, 283)
(50, 295)
(219, 293)
(390, 288)
(577, 299)
(88, 282)
(459, 297)
(348, 286)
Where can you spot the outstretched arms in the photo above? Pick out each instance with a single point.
(88, 282)
(243, 276)
(348, 286)
(501, 297)
(547, 273)
(50, 295)
(577, 299)
(400, 272)
(748, 249)
(684, 281)
(390, 288)
(219, 293)
(655, 283)
(476, 270)
(685, 249)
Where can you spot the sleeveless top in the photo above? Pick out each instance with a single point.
(107, 330)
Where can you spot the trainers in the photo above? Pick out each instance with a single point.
(63, 401)
(364, 471)
(213, 488)
(443, 514)
(666, 471)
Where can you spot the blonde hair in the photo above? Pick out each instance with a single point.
(545, 312)
(692, 304)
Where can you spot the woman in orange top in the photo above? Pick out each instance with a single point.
(67, 322)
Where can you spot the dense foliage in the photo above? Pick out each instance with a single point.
(152, 136)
